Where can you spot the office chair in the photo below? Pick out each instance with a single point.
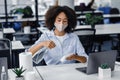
(99, 39)
(5, 50)
(115, 38)
(86, 37)
(114, 19)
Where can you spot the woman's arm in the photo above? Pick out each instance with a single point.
(35, 48)
(81, 59)
(80, 54)
(49, 44)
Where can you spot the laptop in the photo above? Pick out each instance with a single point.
(96, 59)
(3, 62)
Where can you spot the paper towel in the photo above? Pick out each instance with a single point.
(25, 60)
(26, 29)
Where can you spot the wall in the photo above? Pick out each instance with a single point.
(97, 2)
(23, 3)
(11, 5)
(69, 3)
(115, 3)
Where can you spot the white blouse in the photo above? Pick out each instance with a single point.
(70, 45)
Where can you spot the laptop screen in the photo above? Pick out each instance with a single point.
(97, 59)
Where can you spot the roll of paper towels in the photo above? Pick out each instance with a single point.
(25, 60)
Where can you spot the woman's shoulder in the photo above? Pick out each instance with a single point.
(47, 34)
(73, 35)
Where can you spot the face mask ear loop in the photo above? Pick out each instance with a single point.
(53, 28)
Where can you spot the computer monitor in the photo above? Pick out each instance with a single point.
(96, 59)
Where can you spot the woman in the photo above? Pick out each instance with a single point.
(60, 42)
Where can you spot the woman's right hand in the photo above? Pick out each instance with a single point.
(49, 44)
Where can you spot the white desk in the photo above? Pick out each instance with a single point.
(104, 16)
(8, 30)
(104, 28)
(111, 15)
(23, 19)
(68, 72)
(11, 75)
(2, 20)
(84, 12)
(13, 15)
(17, 45)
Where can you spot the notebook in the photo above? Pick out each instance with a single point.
(96, 59)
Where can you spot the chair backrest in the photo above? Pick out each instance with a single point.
(86, 37)
(5, 50)
(114, 19)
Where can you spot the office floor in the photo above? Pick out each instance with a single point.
(106, 45)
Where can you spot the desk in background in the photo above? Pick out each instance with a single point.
(68, 72)
(104, 29)
(43, 29)
(8, 32)
(41, 18)
(17, 47)
(104, 16)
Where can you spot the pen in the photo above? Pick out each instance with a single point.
(47, 36)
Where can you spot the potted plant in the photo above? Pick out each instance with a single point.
(18, 72)
(23, 12)
(92, 19)
(104, 71)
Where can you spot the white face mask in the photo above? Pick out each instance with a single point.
(60, 27)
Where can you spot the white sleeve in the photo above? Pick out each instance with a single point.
(38, 56)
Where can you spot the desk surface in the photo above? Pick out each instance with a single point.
(17, 45)
(68, 72)
(84, 12)
(43, 29)
(23, 19)
(104, 28)
(11, 75)
(104, 16)
(8, 30)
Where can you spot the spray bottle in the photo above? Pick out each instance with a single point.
(3, 74)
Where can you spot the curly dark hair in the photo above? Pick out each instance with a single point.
(53, 12)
